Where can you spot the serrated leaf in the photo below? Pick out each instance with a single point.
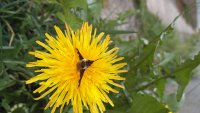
(143, 103)
(146, 58)
(183, 74)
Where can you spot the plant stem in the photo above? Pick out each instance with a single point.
(152, 82)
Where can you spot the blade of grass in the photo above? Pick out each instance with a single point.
(12, 32)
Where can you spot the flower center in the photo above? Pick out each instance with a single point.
(82, 65)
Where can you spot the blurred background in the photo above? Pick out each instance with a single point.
(158, 38)
(186, 26)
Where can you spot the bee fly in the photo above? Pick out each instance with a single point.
(82, 65)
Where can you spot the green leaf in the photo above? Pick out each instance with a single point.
(95, 7)
(143, 103)
(123, 108)
(74, 21)
(114, 111)
(19, 108)
(5, 104)
(5, 83)
(127, 48)
(74, 4)
(161, 87)
(183, 74)
(18, 66)
(14, 62)
(10, 52)
(61, 16)
(74, 12)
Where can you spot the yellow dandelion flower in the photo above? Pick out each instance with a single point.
(78, 68)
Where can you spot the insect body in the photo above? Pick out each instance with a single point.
(82, 65)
